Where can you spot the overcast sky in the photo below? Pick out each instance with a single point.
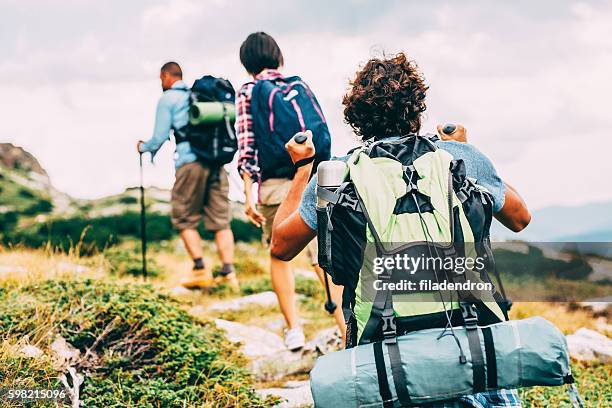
(529, 79)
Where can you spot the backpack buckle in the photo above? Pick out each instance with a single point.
(469, 314)
(349, 202)
(389, 328)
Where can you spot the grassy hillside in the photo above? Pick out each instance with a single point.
(31, 216)
(145, 350)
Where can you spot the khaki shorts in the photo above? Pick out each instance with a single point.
(192, 200)
(271, 193)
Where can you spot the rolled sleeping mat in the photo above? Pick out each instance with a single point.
(517, 353)
(211, 112)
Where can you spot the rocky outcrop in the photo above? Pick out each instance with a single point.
(16, 158)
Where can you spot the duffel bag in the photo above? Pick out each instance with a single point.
(512, 354)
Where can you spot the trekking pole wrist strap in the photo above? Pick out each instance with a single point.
(303, 162)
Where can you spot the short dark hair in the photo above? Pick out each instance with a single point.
(258, 52)
(387, 98)
(173, 69)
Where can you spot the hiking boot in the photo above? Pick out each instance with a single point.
(294, 339)
(231, 280)
(199, 279)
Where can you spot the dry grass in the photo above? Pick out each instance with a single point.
(566, 318)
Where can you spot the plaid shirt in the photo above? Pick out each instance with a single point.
(488, 399)
(247, 144)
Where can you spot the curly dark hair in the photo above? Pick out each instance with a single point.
(387, 98)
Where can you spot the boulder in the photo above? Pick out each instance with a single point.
(295, 394)
(588, 344)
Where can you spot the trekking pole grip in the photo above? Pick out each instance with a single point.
(449, 128)
(300, 137)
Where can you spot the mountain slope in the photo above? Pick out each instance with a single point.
(589, 222)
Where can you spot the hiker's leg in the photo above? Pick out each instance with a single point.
(224, 239)
(336, 295)
(218, 214)
(186, 203)
(283, 283)
(193, 242)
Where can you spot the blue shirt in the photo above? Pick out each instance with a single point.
(172, 113)
(477, 166)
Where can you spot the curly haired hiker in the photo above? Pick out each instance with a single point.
(386, 100)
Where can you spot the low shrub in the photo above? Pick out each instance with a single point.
(124, 262)
(138, 348)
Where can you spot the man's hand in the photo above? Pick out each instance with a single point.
(139, 146)
(458, 135)
(302, 151)
(253, 215)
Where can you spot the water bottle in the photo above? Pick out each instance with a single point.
(330, 175)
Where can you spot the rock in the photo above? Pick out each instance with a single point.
(598, 305)
(64, 353)
(256, 342)
(278, 325)
(179, 291)
(279, 365)
(588, 344)
(294, 394)
(270, 359)
(64, 266)
(30, 351)
(325, 341)
(8, 270)
(197, 311)
(260, 299)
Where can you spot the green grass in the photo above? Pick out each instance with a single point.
(593, 382)
(145, 350)
(23, 199)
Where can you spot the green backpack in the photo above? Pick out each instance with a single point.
(404, 195)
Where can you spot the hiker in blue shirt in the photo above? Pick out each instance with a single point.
(387, 100)
(199, 191)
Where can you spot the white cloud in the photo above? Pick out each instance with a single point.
(529, 80)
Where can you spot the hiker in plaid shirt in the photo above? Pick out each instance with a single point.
(262, 57)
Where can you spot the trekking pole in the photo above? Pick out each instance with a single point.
(330, 305)
(143, 224)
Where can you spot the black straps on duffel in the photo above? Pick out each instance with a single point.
(381, 372)
(490, 356)
(470, 318)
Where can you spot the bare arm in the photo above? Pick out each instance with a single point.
(249, 209)
(290, 234)
(514, 215)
